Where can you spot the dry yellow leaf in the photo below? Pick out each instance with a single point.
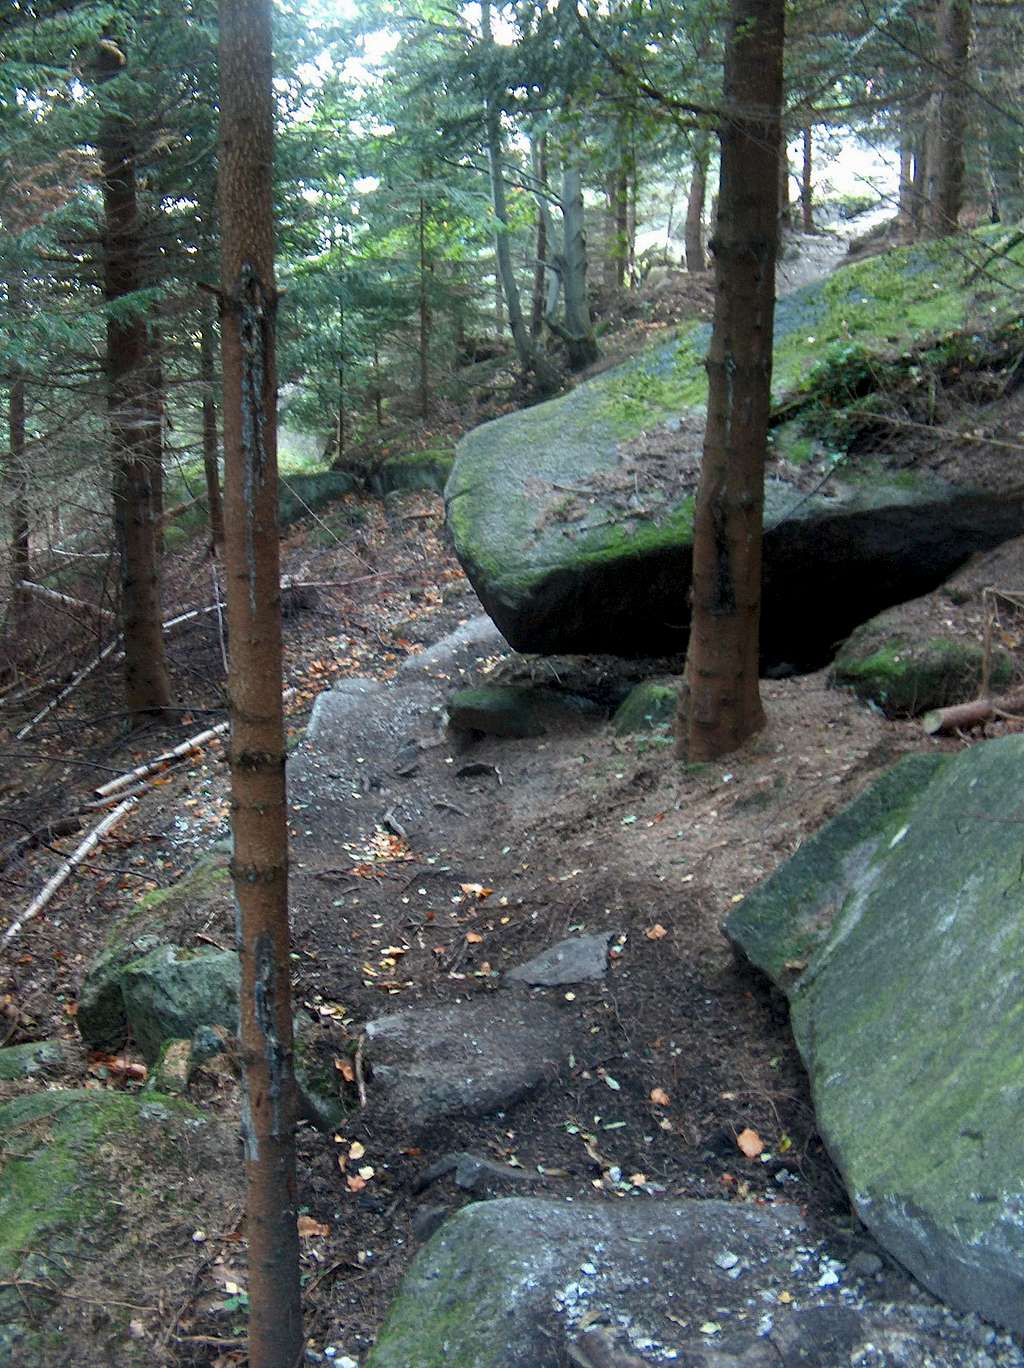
(655, 932)
(473, 937)
(750, 1143)
(308, 1228)
(356, 1150)
(659, 1097)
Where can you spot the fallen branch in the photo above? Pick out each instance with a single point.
(65, 600)
(161, 762)
(67, 868)
(942, 721)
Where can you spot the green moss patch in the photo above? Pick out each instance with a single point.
(648, 707)
(904, 677)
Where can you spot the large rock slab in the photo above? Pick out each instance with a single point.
(466, 1059)
(533, 1283)
(573, 519)
(896, 934)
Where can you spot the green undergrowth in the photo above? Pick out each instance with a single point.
(841, 343)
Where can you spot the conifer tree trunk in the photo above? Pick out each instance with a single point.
(693, 239)
(252, 574)
(540, 171)
(210, 444)
(578, 334)
(806, 184)
(905, 217)
(17, 478)
(424, 312)
(720, 703)
(147, 686)
(531, 358)
(950, 115)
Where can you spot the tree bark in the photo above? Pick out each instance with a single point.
(539, 156)
(950, 116)
(696, 259)
(147, 686)
(919, 185)
(578, 333)
(806, 185)
(17, 477)
(905, 216)
(424, 313)
(210, 443)
(531, 358)
(785, 205)
(252, 573)
(720, 703)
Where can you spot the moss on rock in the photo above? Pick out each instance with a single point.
(649, 706)
(906, 677)
(424, 470)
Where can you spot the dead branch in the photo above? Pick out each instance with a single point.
(943, 721)
(161, 762)
(66, 869)
(65, 600)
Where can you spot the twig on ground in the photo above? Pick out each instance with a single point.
(357, 1065)
(70, 864)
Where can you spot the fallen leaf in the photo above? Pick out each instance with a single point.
(366, 1172)
(750, 1143)
(475, 890)
(785, 1298)
(474, 937)
(655, 932)
(638, 1179)
(308, 1228)
(355, 1183)
(356, 1150)
(344, 1067)
(659, 1097)
(796, 966)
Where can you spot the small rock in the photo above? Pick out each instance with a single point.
(172, 1068)
(426, 1220)
(865, 1264)
(580, 959)
(726, 1260)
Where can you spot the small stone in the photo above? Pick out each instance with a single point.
(726, 1260)
(865, 1264)
(579, 959)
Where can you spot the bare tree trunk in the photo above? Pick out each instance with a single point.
(632, 198)
(950, 118)
(210, 443)
(905, 217)
(531, 358)
(539, 153)
(617, 231)
(424, 311)
(147, 686)
(378, 393)
(785, 206)
(919, 189)
(578, 333)
(696, 259)
(252, 574)
(720, 703)
(154, 421)
(806, 185)
(17, 478)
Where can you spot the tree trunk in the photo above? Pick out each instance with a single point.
(424, 312)
(919, 188)
(905, 217)
(806, 186)
(17, 478)
(147, 687)
(785, 206)
(632, 198)
(154, 420)
(539, 153)
(210, 444)
(531, 358)
(950, 116)
(617, 230)
(696, 259)
(720, 703)
(578, 334)
(252, 573)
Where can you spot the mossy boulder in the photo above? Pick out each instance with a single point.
(169, 993)
(896, 934)
(647, 707)
(518, 710)
(904, 677)
(35, 1057)
(573, 519)
(78, 1171)
(415, 470)
(157, 919)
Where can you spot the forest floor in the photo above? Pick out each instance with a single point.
(583, 832)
